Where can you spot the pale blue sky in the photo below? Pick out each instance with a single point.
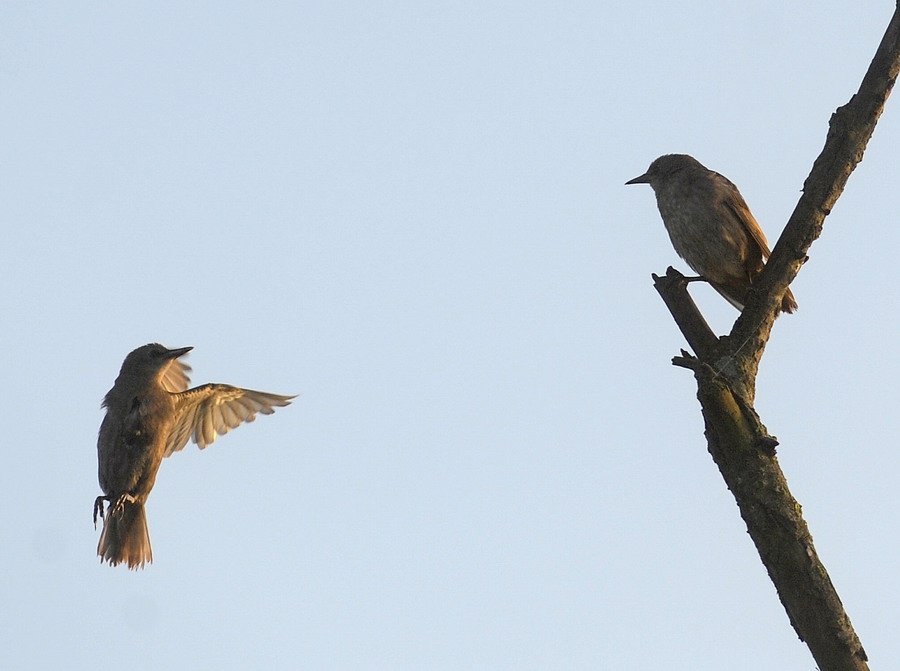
(413, 214)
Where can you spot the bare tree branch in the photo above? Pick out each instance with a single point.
(672, 287)
(850, 129)
(725, 370)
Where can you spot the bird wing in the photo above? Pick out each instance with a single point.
(176, 376)
(211, 410)
(737, 206)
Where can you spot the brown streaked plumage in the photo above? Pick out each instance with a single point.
(150, 413)
(710, 226)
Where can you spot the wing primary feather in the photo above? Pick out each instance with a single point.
(212, 410)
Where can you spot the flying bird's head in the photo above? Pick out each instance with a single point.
(663, 168)
(155, 362)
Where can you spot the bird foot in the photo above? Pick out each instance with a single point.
(113, 508)
(121, 501)
(674, 277)
(98, 508)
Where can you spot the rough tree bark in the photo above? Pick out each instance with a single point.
(725, 369)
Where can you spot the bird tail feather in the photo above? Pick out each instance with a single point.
(125, 537)
(736, 293)
(788, 303)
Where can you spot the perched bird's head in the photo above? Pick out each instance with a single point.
(155, 362)
(665, 167)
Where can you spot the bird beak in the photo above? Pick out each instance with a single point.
(175, 353)
(642, 179)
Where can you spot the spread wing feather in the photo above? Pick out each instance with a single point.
(176, 377)
(212, 410)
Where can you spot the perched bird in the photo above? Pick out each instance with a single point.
(710, 226)
(151, 413)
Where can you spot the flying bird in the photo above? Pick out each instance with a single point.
(710, 226)
(151, 413)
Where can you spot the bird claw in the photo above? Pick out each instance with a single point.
(673, 276)
(98, 508)
(113, 508)
(120, 503)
